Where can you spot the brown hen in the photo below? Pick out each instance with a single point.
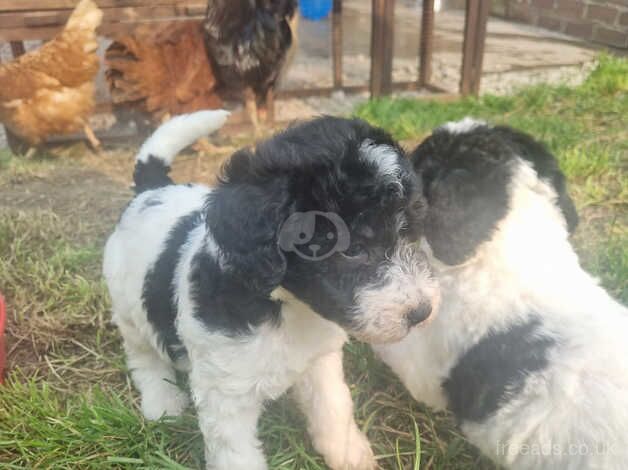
(162, 71)
(51, 90)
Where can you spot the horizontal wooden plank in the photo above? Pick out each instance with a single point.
(121, 15)
(36, 20)
(28, 34)
(193, 9)
(48, 32)
(111, 15)
(39, 5)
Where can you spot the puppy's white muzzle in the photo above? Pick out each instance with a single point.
(404, 295)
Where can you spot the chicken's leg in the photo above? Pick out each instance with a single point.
(250, 103)
(91, 137)
(267, 110)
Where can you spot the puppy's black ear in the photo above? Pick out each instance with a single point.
(465, 203)
(462, 215)
(565, 202)
(546, 167)
(244, 219)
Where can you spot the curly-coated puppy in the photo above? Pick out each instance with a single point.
(527, 351)
(253, 285)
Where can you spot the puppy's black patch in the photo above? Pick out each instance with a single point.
(546, 167)
(151, 175)
(465, 181)
(159, 293)
(244, 220)
(223, 303)
(466, 177)
(495, 369)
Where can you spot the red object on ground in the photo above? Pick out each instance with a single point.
(3, 320)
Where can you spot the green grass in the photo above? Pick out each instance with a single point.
(70, 404)
(93, 430)
(552, 113)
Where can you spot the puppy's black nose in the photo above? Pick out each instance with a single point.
(421, 314)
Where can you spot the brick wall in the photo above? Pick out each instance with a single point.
(603, 22)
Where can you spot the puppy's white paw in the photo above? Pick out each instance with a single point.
(164, 400)
(351, 453)
(235, 459)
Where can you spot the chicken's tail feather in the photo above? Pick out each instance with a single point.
(86, 16)
(153, 161)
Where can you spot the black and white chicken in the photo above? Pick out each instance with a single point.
(249, 43)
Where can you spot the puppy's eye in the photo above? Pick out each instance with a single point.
(356, 252)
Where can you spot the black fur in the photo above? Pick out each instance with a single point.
(151, 175)
(495, 369)
(159, 293)
(465, 182)
(224, 303)
(466, 179)
(315, 166)
(545, 165)
(245, 219)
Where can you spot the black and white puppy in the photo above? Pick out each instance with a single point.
(253, 285)
(527, 350)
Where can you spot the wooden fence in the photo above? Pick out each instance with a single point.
(22, 20)
(42, 19)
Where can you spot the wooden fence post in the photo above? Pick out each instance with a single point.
(427, 43)
(382, 44)
(336, 43)
(473, 47)
(17, 48)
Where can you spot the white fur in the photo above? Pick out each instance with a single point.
(330, 415)
(179, 132)
(463, 126)
(407, 283)
(574, 413)
(384, 157)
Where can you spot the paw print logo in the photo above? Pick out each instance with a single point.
(314, 235)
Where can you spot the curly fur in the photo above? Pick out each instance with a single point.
(527, 349)
(199, 281)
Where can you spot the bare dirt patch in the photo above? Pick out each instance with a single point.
(76, 194)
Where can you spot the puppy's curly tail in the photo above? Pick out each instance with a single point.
(153, 161)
